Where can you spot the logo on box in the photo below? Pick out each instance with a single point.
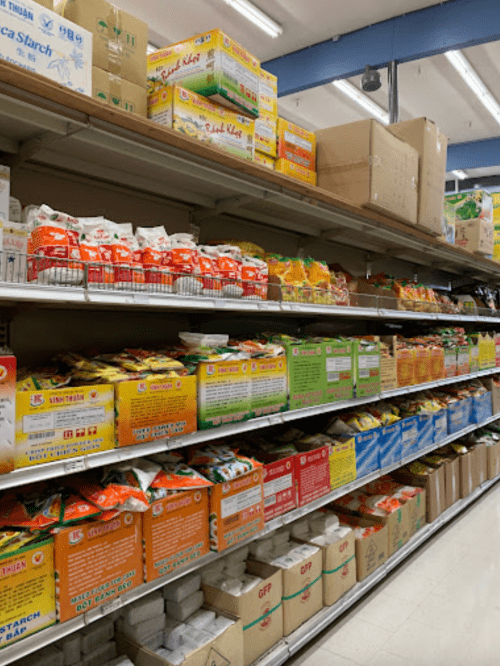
(36, 399)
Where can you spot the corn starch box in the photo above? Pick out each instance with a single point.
(175, 532)
(27, 591)
(7, 413)
(296, 145)
(265, 135)
(367, 368)
(96, 562)
(212, 65)
(312, 474)
(236, 510)
(268, 94)
(296, 171)
(339, 370)
(342, 462)
(269, 385)
(63, 423)
(224, 393)
(279, 488)
(306, 374)
(149, 410)
(264, 160)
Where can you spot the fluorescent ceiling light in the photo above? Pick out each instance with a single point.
(463, 67)
(151, 48)
(461, 175)
(252, 13)
(364, 101)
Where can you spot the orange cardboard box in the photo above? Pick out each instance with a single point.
(422, 366)
(296, 144)
(296, 171)
(97, 561)
(437, 363)
(236, 510)
(152, 409)
(406, 367)
(175, 532)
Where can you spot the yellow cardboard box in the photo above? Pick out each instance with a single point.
(295, 171)
(265, 135)
(63, 423)
(296, 145)
(199, 118)
(119, 93)
(27, 591)
(268, 94)
(342, 463)
(212, 65)
(265, 160)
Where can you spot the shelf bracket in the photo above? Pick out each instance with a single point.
(221, 206)
(29, 148)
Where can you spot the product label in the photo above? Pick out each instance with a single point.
(368, 371)
(240, 502)
(279, 488)
(312, 471)
(269, 385)
(224, 393)
(342, 464)
(306, 372)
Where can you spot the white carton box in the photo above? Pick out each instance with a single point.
(13, 260)
(39, 40)
(4, 191)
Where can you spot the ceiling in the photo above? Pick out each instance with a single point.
(430, 87)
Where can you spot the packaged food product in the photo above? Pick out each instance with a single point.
(184, 261)
(95, 249)
(155, 248)
(230, 262)
(208, 269)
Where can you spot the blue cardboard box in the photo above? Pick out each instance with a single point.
(440, 426)
(367, 452)
(425, 430)
(459, 414)
(409, 436)
(390, 444)
(482, 408)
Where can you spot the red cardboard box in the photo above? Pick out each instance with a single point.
(312, 474)
(279, 488)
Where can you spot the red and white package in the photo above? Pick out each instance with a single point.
(55, 237)
(95, 248)
(32, 273)
(262, 278)
(250, 275)
(230, 262)
(155, 255)
(209, 271)
(121, 255)
(184, 261)
(126, 237)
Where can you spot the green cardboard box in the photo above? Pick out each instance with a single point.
(367, 368)
(339, 370)
(306, 374)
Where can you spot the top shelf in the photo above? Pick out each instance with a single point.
(47, 124)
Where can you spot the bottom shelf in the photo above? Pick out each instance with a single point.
(289, 646)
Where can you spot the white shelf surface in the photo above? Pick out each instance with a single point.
(50, 635)
(91, 461)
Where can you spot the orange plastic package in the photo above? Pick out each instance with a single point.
(209, 270)
(154, 252)
(95, 250)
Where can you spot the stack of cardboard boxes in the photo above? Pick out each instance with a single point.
(266, 126)
(472, 215)
(119, 72)
(296, 152)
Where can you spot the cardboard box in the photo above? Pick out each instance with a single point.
(236, 510)
(409, 436)
(474, 357)
(202, 119)
(339, 359)
(295, 171)
(398, 527)
(371, 544)
(342, 462)
(440, 426)
(27, 590)
(42, 42)
(390, 445)
(367, 369)
(339, 569)
(296, 144)
(437, 363)
(450, 362)
(482, 408)
(367, 450)
(306, 373)
(417, 512)
(425, 431)
(96, 562)
(495, 393)
(212, 65)
(280, 495)
(120, 39)
(152, 409)
(224, 393)
(365, 163)
(265, 135)
(260, 610)
(312, 475)
(48, 4)
(119, 93)
(7, 414)
(475, 236)
(459, 415)
(4, 192)
(432, 148)
(493, 461)
(451, 468)
(434, 485)
(487, 351)
(302, 592)
(175, 532)
(497, 347)
(467, 476)
(389, 365)
(448, 235)
(463, 360)
(264, 160)
(269, 385)
(15, 248)
(268, 93)
(473, 221)
(479, 464)
(422, 366)
(63, 423)
(226, 650)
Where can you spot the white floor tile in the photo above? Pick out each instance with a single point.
(408, 587)
(385, 611)
(317, 656)
(384, 658)
(356, 640)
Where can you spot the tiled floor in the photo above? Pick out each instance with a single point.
(440, 608)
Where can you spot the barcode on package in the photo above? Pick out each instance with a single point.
(333, 376)
(364, 373)
(49, 434)
(269, 501)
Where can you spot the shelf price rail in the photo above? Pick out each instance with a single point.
(283, 650)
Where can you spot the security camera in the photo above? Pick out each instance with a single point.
(371, 80)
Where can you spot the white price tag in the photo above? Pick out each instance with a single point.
(142, 299)
(220, 305)
(275, 419)
(73, 466)
(111, 606)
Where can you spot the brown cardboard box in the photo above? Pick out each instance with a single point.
(339, 569)
(495, 393)
(48, 4)
(260, 610)
(120, 39)
(493, 461)
(119, 93)
(479, 464)
(451, 469)
(389, 365)
(302, 592)
(226, 650)
(432, 147)
(467, 476)
(371, 544)
(434, 484)
(365, 163)
(417, 512)
(475, 236)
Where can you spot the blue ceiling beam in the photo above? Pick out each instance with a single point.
(474, 154)
(456, 24)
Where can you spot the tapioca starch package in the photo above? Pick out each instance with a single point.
(184, 260)
(55, 237)
(95, 248)
(209, 271)
(155, 246)
(230, 264)
(137, 273)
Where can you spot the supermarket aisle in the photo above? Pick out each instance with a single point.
(441, 608)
